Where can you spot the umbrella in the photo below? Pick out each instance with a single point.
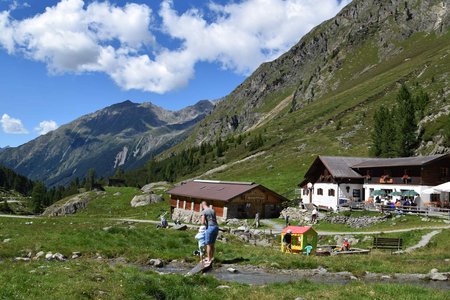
(395, 194)
(445, 187)
(410, 193)
(378, 193)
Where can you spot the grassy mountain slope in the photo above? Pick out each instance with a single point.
(320, 97)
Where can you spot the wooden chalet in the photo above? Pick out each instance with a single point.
(336, 179)
(240, 200)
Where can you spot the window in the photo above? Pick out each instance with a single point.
(435, 197)
(319, 191)
(444, 172)
(331, 192)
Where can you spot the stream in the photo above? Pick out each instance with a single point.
(252, 275)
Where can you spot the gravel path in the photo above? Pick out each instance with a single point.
(17, 216)
(424, 241)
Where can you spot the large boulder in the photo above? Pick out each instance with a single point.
(70, 206)
(142, 200)
(161, 185)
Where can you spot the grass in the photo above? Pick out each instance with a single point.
(94, 280)
(96, 231)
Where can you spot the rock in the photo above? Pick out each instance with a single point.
(223, 287)
(69, 207)
(180, 227)
(321, 270)
(299, 298)
(434, 270)
(156, 262)
(107, 228)
(6, 241)
(117, 194)
(49, 256)
(28, 223)
(148, 188)
(76, 255)
(447, 259)
(355, 222)
(236, 222)
(294, 213)
(143, 200)
(59, 257)
(243, 228)
(232, 270)
(39, 255)
(22, 259)
(385, 277)
(438, 277)
(353, 277)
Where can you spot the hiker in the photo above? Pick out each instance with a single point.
(345, 245)
(200, 237)
(287, 240)
(212, 230)
(256, 222)
(314, 214)
(308, 249)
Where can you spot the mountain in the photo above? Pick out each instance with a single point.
(123, 135)
(320, 96)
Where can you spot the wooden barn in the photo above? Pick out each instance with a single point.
(240, 200)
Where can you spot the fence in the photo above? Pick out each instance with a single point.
(414, 210)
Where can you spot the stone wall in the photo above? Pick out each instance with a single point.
(189, 216)
(355, 222)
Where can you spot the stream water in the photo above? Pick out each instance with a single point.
(260, 276)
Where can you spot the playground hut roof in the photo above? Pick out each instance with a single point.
(298, 229)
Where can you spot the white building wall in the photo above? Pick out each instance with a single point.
(325, 200)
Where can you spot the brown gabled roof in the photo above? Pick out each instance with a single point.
(398, 162)
(212, 190)
(341, 166)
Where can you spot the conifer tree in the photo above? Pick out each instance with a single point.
(406, 123)
(38, 197)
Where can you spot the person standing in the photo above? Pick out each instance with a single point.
(314, 214)
(209, 219)
(256, 220)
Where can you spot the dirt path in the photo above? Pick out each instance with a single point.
(17, 217)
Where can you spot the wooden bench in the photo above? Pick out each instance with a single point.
(387, 243)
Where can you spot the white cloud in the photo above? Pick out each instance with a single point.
(45, 127)
(12, 126)
(102, 37)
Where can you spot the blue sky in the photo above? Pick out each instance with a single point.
(62, 59)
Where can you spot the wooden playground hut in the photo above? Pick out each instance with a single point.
(301, 237)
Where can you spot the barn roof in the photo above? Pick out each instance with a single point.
(298, 229)
(215, 190)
